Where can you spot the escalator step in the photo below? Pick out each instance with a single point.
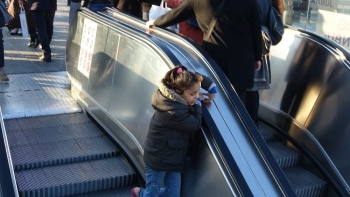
(285, 156)
(266, 132)
(304, 183)
(76, 178)
(69, 151)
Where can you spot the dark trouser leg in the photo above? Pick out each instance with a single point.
(252, 105)
(2, 58)
(241, 94)
(50, 15)
(40, 23)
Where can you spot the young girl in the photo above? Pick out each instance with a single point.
(178, 113)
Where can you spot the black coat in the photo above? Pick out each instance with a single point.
(235, 43)
(43, 5)
(170, 127)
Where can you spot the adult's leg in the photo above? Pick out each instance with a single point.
(241, 94)
(40, 23)
(252, 105)
(172, 185)
(49, 17)
(3, 76)
(74, 6)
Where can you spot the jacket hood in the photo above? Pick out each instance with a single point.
(165, 99)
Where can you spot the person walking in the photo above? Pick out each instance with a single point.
(235, 41)
(43, 14)
(3, 76)
(34, 41)
(178, 112)
(14, 25)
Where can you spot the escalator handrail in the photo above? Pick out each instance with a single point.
(335, 46)
(7, 178)
(306, 152)
(235, 173)
(251, 129)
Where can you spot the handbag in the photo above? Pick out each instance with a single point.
(157, 11)
(275, 26)
(23, 20)
(262, 78)
(7, 17)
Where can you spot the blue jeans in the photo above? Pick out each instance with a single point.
(98, 7)
(155, 179)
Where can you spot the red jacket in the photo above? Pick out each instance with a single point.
(185, 29)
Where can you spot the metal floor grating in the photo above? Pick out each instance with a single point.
(64, 155)
(37, 94)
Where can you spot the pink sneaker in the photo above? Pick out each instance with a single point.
(135, 191)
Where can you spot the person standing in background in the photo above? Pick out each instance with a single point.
(234, 43)
(132, 7)
(3, 76)
(97, 5)
(14, 25)
(34, 41)
(252, 96)
(195, 33)
(74, 7)
(43, 13)
(146, 6)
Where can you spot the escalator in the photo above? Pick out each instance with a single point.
(114, 67)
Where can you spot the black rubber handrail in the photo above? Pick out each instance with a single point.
(7, 178)
(235, 174)
(336, 47)
(309, 155)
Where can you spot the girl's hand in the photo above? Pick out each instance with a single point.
(200, 95)
(150, 23)
(210, 97)
(20, 2)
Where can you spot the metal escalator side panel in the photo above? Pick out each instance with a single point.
(310, 81)
(8, 186)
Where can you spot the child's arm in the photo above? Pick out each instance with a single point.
(184, 120)
(209, 86)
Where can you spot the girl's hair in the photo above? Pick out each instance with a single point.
(278, 4)
(180, 79)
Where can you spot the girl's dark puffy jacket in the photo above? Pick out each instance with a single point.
(169, 130)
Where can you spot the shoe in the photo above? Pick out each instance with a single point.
(19, 32)
(14, 31)
(31, 44)
(135, 191)
(45, 59)
(36, 43)
(3, 76)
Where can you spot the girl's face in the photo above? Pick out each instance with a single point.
(190, 95)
